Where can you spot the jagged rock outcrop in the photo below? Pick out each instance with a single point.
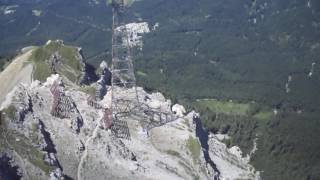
(54, 62)
(202, 135)
(65, 131)
(56, 175)
(229, 161)
(57, 58)
(118, 147)
(143, 156)
(46, 143)
(178, 110)
(104, 81)
(63, 106)
(88, 74)
(20, 106)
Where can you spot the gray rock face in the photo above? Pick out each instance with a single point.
(54, 62)
(72, 143)
(46, 143)
(88, 74)
(22, 103)
(103, 82)
(63, 106)
(51, 159)
(117, 146)
(57, 175)
(76, 123)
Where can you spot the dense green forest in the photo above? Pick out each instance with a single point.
(231, 60)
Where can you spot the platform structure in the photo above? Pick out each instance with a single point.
(123, 77)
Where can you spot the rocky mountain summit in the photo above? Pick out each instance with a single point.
(53, 129)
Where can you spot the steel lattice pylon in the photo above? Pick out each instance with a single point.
(123, 78)
(122, 66)
(122, 73)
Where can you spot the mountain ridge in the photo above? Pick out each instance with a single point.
(70, 142)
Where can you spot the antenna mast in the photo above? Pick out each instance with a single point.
(124, 106)
(122, 73)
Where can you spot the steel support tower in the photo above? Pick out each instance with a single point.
(125, 105)
(122, 73)
(122, 66)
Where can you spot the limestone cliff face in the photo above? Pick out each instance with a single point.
(53, 129)
(88, 74)
(168, 152)
(104, 82)
(171, 151)
(229, 161)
